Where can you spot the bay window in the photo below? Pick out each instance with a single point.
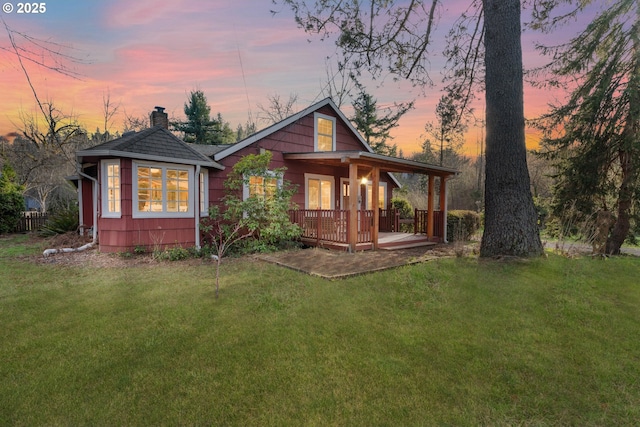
(162, 190)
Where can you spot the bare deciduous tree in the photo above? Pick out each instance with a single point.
(278, 109)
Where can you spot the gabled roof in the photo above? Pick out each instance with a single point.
(286, 122)
(156, 144)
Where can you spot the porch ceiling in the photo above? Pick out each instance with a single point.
(370, 160)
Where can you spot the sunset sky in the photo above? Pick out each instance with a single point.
(145, 53)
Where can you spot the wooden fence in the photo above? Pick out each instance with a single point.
(31, 221)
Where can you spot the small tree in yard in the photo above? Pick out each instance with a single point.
(255, 205)
(222, 234)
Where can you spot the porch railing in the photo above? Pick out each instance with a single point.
(319, 224)
(420, 221)
(333, 225)
(389, 220)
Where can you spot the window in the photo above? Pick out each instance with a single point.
(204, 192)
(382, 196)
(162, 190)
(111, 189)
(325, 133)
(319, 191)
(262, 187)
(177, 190)
(149, 189)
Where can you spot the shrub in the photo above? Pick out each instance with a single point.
(177, 253)
(11, 200)
(462, 225)
(403, 206)
(63, 221)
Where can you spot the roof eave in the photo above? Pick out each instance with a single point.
(399, 165)
(150, 157)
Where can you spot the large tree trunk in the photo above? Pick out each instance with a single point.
(625, 198)
(630, 151)
(510, 217)
(629, 154)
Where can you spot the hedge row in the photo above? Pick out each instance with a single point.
(461, 224)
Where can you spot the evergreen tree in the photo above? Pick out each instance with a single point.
(200, 128)
(243, 132)
(594, 137)
(376, 130)
(221, 132)
(449, 130)
(197, 128)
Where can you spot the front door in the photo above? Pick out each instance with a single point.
(345, 192)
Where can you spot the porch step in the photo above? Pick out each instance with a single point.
(400, 245)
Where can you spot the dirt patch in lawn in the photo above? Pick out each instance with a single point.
(318, 262)
(336, 265)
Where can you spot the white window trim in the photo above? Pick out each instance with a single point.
(105, 188)
(316, 116)
(203, 197)
(164, 214)
(370, 185)
(308, 176)
(245, 185)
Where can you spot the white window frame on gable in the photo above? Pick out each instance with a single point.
(160, 205)
(327, 180)
(111, 188)
(318, 135)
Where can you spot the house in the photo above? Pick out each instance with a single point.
(151, 189)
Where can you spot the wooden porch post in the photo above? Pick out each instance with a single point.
(430, 203)
(374, 204)
(354, 192)
(443, 207)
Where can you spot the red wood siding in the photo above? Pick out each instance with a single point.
(298, 137)
(117, 235)
(87, 203)
(126, 233)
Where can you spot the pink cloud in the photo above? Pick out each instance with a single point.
(125, 13)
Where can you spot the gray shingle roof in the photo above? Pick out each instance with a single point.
(208, 149)
(155, 143)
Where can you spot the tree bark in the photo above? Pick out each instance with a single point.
(625, 199)
(629, 152)
(510, 217)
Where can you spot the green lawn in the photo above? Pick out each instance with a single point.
(454, 342)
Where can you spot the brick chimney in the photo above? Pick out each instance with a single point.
(159, 118)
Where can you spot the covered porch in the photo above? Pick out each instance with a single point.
(353, 228)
